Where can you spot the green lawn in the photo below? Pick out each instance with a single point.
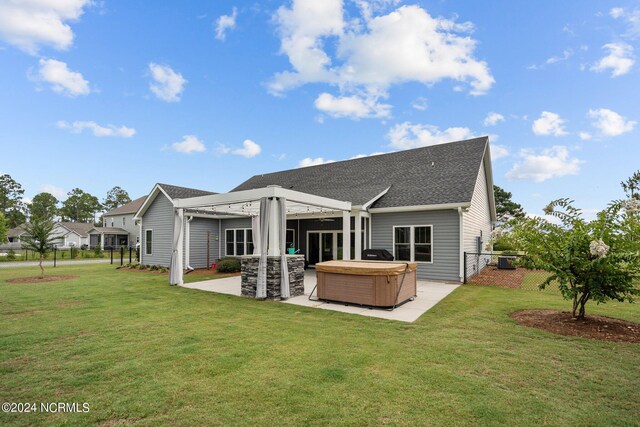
(141, 352)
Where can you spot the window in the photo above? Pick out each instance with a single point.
(239, 242)
(412, 243)
(123, 222)
(112, 222)
(148, 244)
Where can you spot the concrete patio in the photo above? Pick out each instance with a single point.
(429, 294)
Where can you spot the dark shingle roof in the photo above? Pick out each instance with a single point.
(17, 231)
(109, 230)
(128, 208)
(81, 228)
(176, 192)
(438, 174)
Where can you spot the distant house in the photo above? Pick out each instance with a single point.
(429, 205)
(66, 234)
(71, 234)
(14, 235)
(119, 227)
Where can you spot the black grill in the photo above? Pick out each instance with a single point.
(377, 255)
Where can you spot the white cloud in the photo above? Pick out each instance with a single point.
(619, 60)
(549, 124)
(98, 130)
(167, 84)
(54, 190)
(498, 151)
(61, 78)
(353, 107)
(407, 135)
(551, 163)
(360, 156)
(616, 12)
(189, 144)
(631, 18)
(492, 119)
(566, 54)
(224, 23)
(420, 104)
(308, 161)
(610, 123)
(585, 136)
(30, 24)
(371, 54)
(249, 149)
(223, 149)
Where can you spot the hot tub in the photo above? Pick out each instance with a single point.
(373, 283)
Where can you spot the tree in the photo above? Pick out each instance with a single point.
(44, 205)
(116, 197)
(80, 206)
(11, 205)
(505, 207)
(632, 186)
(589, 260)
(39, 238)
(3, 229)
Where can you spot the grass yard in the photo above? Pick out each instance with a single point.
(141, 352)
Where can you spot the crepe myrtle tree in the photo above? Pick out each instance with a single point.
(39, 238)
(589, 260)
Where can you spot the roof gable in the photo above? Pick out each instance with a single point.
(171, 192)
(435, 175)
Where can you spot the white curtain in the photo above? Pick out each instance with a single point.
(284, 269)
(255, 234)
(175, 272)
(265, 210)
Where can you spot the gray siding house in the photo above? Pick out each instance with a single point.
(119, 227)
(428, 205)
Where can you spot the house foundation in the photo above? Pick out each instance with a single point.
(249, 275)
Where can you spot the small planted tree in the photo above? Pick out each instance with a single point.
(589, 260)
(39, 239)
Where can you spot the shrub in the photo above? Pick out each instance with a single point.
(11, 255)
(229, 265)
(591, 260)
(154, 267)
(143, 267)
(98, 251)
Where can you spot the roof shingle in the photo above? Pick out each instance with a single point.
(433, 175)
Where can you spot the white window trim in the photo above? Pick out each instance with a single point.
(145, 241)
(412, 246)
(234, 240)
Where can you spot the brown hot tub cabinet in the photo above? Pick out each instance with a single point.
(374, 283)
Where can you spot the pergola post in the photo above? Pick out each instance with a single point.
(274, 229)
(180, 252)
(346, 235)
(358, 236)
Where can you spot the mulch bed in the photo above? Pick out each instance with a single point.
(40, 280)
(492, 276)
(593, 327)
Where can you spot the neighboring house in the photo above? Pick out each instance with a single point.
(71, 234)
(14, 235)
(428, 205)
(119, 227)
(67, 234)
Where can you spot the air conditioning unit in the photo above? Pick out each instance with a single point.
(506, 263)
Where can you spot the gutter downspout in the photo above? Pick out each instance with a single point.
(461, 243)
(219, 239)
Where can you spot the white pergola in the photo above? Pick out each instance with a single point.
(248, 204)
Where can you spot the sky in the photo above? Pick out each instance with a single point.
(205, 94)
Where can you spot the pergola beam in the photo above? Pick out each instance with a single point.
(258, 193)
